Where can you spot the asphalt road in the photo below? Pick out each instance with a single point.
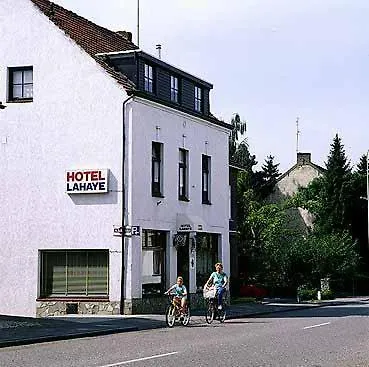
(330, 336)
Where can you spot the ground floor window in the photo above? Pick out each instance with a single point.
(153, 261)
(74, 273)
(206, 257)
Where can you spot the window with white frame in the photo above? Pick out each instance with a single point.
(74, 273)
(206, 165)
(198, 99)
(174, 89)
(157, 169)
(20, 84)
(183, 175)
(149, 78)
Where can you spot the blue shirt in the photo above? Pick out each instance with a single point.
(180, 291)
(218, 279)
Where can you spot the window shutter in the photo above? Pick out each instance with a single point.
(76, 276)
(98, 273)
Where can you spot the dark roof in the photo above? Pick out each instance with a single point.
(89, 36)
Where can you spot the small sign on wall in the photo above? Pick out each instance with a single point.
(88, 181)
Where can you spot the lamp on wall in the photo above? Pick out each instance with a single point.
(2, 106)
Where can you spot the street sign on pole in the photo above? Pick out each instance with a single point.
(129, 231)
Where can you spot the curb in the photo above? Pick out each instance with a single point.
(51, 338)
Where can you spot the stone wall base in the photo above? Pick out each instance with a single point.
(60, 308)
(158, 304)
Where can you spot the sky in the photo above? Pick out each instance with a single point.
(270, 61)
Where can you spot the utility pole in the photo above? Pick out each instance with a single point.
(367, 188)
(138, 23)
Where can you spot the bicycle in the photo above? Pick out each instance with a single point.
(173, 312)
(212, 312)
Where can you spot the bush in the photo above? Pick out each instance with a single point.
(305, 293)
(328, 294)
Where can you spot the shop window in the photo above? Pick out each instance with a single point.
(206, 257)
(153, 261)
(74, 273)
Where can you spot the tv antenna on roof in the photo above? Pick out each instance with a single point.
(297, 134)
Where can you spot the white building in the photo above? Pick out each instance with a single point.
(93, 128)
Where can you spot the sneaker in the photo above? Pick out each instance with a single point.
(220, 307)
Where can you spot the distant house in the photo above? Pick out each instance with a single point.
(299, 175)
(100, 139)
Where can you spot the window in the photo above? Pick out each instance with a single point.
(174, 89)
(149, 80)
(74, 273)
(206, 256)
(198, 99)
(183, 175)
(21, 84)
(156, 169)
(206, 179)
(153, 261)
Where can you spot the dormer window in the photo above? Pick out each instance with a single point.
(174, 89)
(198, 99)
(149, 80)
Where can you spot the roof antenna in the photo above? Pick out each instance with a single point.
(297, 135)
(158, 47)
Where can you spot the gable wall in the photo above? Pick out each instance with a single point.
(74, 122)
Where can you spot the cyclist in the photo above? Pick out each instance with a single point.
(180, 293)
(219, 280)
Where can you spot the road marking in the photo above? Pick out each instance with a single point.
(139, 359)
(310, 327)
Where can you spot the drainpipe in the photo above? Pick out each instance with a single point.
(122, 280)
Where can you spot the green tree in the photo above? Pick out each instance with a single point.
(330, 197)
(362, 166)
(269, 176)
(238, 129)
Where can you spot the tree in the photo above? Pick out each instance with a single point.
(238, 129)
(362, 166)
(269, 176)
(330, 197)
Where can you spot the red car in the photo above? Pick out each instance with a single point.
(252, 290)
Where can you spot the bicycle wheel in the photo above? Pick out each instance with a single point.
(186, 317)
(222, 314)
(209, 315)
(170, 315)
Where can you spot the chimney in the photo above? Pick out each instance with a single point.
(126, 35)
(158, 47)
(303, 158)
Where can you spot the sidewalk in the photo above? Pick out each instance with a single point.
(26, 330)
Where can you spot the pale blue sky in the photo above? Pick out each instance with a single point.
(269, 60)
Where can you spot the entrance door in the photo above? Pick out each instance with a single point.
(183, 262)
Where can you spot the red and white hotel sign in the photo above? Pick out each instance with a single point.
(88, 181)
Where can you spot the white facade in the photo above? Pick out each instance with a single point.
(75, 122)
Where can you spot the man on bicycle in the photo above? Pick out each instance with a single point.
(219, 280)
(180, 293)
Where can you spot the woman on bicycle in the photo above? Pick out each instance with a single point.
(219, 280)
(180, 293)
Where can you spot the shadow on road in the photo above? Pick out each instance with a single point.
(357, 309)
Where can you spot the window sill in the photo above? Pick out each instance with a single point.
(23, 100)
(157, 195)
(184, 199)
(73, 299)
(206, 202)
